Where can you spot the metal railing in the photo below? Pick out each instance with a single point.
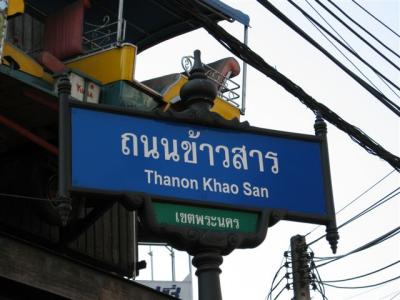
(102, 36)
(227, 88)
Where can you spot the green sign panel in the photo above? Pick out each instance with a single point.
(205, 218)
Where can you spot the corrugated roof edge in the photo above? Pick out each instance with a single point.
(231, 12)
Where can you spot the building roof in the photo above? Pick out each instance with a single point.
(149, 22)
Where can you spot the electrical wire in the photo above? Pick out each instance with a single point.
(382, 98)
(211, 27)
(278, 283)
(387, 27)
(388, 197)
(378, 203)
(323, 295)
(366, 246)
(298, 30)
(397, 294)
(364, 292)
(318, 288)
(364, 275)
(272, 288)
(373, 206)
(327, 23)
(344, 55)
(319, 281)
(246, 54)
(393, 106)
(363, 286)
(363, 29)
(281, 291)
(355, 199)
(366, 191)
(316, 284)
(321, 289)
(357, 34)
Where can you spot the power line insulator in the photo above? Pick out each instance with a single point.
(300, 268)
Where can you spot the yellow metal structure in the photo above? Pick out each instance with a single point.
(172, 92)
(109, 65)
(26, 63)
(106, 66)
(15, 7)
(223, 108)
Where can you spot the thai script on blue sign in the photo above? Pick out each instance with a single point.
(115, 152)
(187, 150)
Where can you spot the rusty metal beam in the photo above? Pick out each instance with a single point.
(41, 99)
(28, 135)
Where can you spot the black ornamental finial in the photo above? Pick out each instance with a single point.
(199, 88)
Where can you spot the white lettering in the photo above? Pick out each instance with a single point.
(234, 189)
(241, 157)
(213, 185)
(247, 188)
(207, 184)
(254, 191)
(148, 172)
(153, 177)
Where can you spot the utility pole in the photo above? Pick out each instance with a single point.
(300, 268)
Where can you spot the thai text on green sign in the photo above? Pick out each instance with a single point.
(205, 218)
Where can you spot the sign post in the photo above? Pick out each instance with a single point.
(204, 187)
(63, 198)
(201, 184)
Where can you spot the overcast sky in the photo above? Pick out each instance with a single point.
(247, 274)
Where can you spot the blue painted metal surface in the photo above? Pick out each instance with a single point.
(105, 157)
(233, 13)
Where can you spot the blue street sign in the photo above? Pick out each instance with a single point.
(248, 169)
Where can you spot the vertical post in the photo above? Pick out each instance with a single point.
(3, 24)
(191, 276)
(190, 265)
(64, 207)
(301, 282)
(135, 269)
(244, 76)
(172, 253)
(151, 263)
(173, 264)
(120, 24)
(199, 94)
(207, 264)
(332, 234)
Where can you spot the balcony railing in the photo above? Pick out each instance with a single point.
(101, 36)
(227, 88)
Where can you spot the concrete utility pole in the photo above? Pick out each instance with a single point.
(300, 269)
